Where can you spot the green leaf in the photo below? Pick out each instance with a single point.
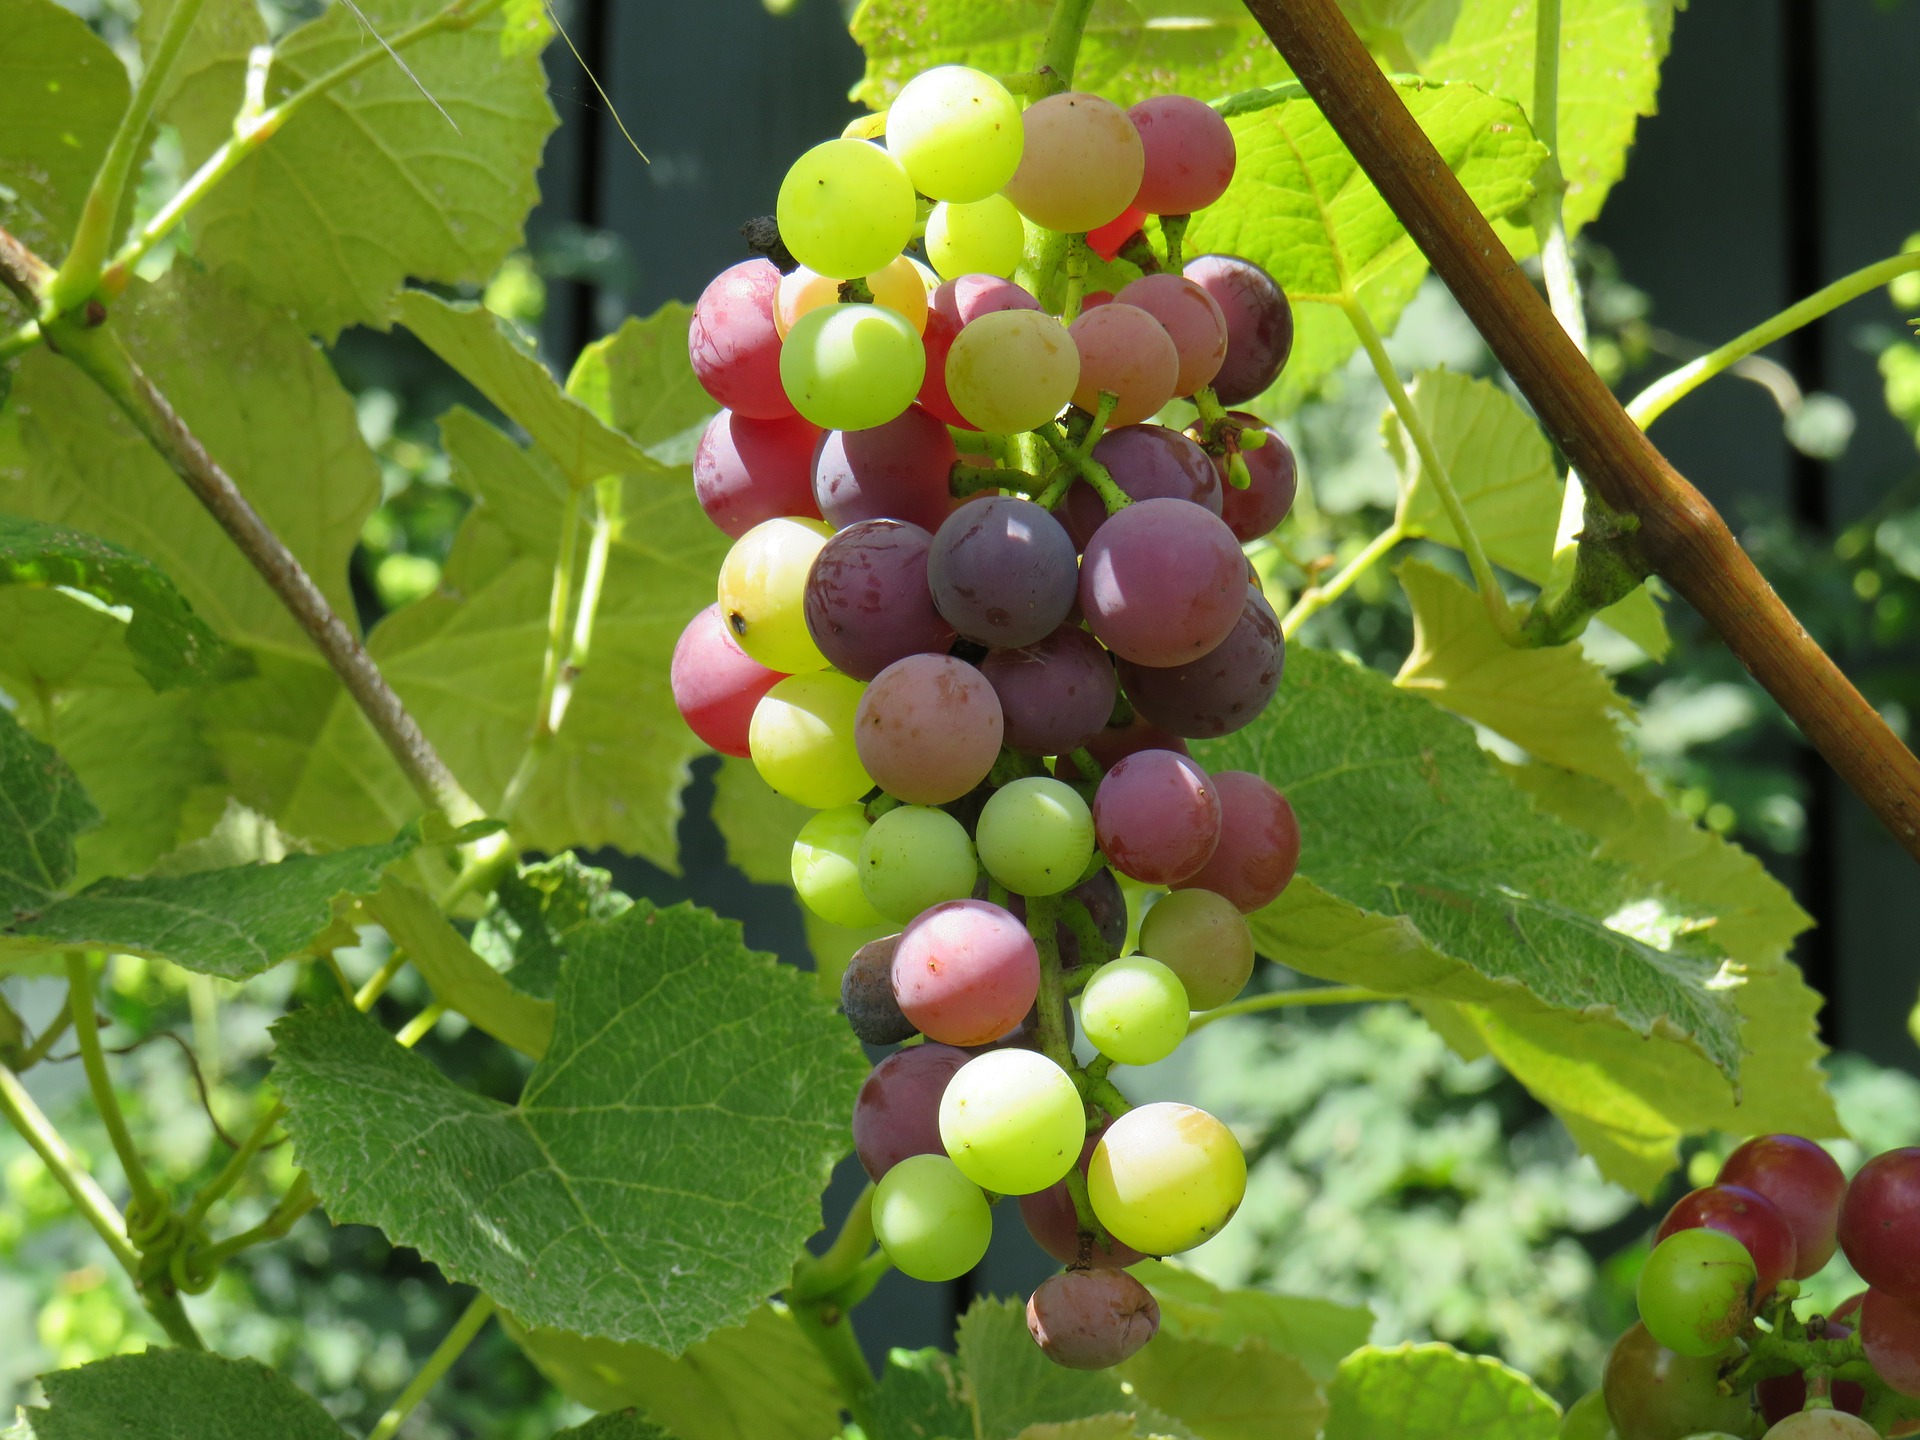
(62, 92)
(640, 381)
(763, 1380)
(232, 923)
(458, 977)
(1228, 1392)
(1301, 207)
(626, 1426)
(239, 837)
(369, 183)
(921, 1396)
(1433, 1392)
(177, 1395)
(52, 643)
(1011, 1385)
(1427, 872)
(42, 809)
(659, 1172)
(170, 644)
(535, 910)
(1317, 1333)
(1094, 1427)
(476, 343)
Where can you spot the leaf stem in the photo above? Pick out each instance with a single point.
(1291, 999)
(829, 1327)
(149, 1205)
(472, 1320)
(1318, 597)
(18, 342)
(1062, 48)
(298, 1200)
(85, 1192)
(559, 610)
(44, 1042)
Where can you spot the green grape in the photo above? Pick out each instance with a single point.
(1013, 1121)
(826, 866)
(931, 1220)
(984, 238)
(1586, 1419)
(1696, 1292)
(1134, 1010)
(1204, 940)
(801, 740)
(852, 367)
(1012, 370)
(957, 132)
(846, 208)
(914, 857)
(1036, 836)
(763, 591)
(1166, 1177)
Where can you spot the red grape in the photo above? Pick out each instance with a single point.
(1274, 479)
(1259, 324)
(1127, 352)
(1055, 694)
(1890, 1332)
(1749, 1218)
(716, 684)
(1259, 844)
(965, 972)
(1805, 1186)
(1092, 1319)
(1880, 1223)
(1110, 239)
(867, 603)
(746, 471)
(928, 729)
(1147, 462)
(897, 1113)
(1223, 690)
(1654, 1394)
(895, 471)
(1163, 582)
(1192, 319)
(733, 344)
(866, 995)
(1190, 154)
(1157, 817)
(949, 310)
(1002, 571)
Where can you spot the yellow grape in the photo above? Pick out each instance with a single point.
(801, 740)
(763, 587)
(1012, 370)
(1166, 1177)
(901, 287)
(984, 238)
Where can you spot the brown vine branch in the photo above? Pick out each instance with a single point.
(1681, 535)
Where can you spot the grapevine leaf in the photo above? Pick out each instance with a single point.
(1228, 1392)
(1301, 207)
(659, 1172)
(640, 381)
(1433, 1392)
(623, 1426)
(1317, 1333)
(535, 910)
(475, 342)
(42, 809)
(1093, 1427)
(1504, 472)
(921, 1396)
(53, 643)
(177, 1395)
(170, 644)
(458, 977)
(763, 1380)
(265, 403)
(1458, 888)
(1011, 1385)
(239, 837)
(62, 91)
(223, 30)
(231, 923)
(369, 183)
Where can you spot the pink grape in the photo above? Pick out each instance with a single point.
(1157, 817)
(1259, 844)
(1081, 166)
(867, 603)
(965, 972)
(897, 1113)
(1804, 1183)
(1192, 319)
(1002, 571)
(1092, 1319)
(1163, 582)
(716, 684)
(746, 471)
(895, 471)
(1190, 154)
(1147, 462)
(1274, 478)
(1127, 352)
(1225, 689)
(733, 344)
(949, 310)
(1259, 324)
(928, 730)
(1055, 694)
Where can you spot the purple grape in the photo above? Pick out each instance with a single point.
(1148, 462)
(1157, 817)
(1163, 583)
(897, 1113)
(895, 471)
(1055, 694)
(866, 995)
(867, 601)
(928, 729)
(1224, 689)
(1092, 1319)
(1259, 324)
(1274, 476)
(1002, 571)
(733, 344)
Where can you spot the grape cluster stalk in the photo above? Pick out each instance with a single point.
(977, 604)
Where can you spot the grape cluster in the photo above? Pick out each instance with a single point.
(1728, 1255)
(976, 605)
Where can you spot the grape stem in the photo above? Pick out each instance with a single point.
(471, 1322)
(1062, 48)
(1318, 597)
(1076, 279)
(149, 1205)
(1173, 230)
(964, 480)
(817, 1276)
(18, 342)
(1289, 999)
(1079, 462)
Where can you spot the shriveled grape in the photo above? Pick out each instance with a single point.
(1092, 1319)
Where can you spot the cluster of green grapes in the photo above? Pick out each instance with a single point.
(976, 606)
(1719, 1349)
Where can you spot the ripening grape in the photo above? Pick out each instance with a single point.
(931, 1220)
(1652, 1393)
(897, 1112)
(957, 132)
(1189, 154)
(1055, 694)
(716, 684)
(954, 306)
(1259, 851)
(867, 603)
(1586, 1419)
(851, 367)
(1092, 1319)
(734, 345)
(1013, 1121)
(1163, 582)
(984, 238)
(1259, 324)
(1748, 1217)
(1696, 1291)
(846, 208)
(894, 471)
(1823, 1425)
(1222, 691)
(1002, 571)
(1157, 817)
(1202, 939)
(1035, 836)
(1273, 478)
(1012, 370)
(746, 471)
(1890, 1333)
(912, 858)
(1082, 163)
(966, 972)
(1128, 353)
(802, 740)
(763, 584)
(1805, 1185)
(866, 996)
(827, 870)
(901, 287)
(1147, 462)
(929, 729)
(1134, 1010)
(1880, 1223)
(1165, 1177)
(1192, 319)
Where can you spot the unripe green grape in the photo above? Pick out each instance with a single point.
(957, 132)
(1012, 370)
(1035, 836)
(763, 591)
(1823, 1425)
(1204, 940)
(1134, 1010)
(846, 208)
(1166, 1177)
(1587, 1419)
(852, 367)
(914, 857)
(826, 866)
(1696, 1292)
(984, 238)
(801, 740)
(931, 1220)
(1013, 1121)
